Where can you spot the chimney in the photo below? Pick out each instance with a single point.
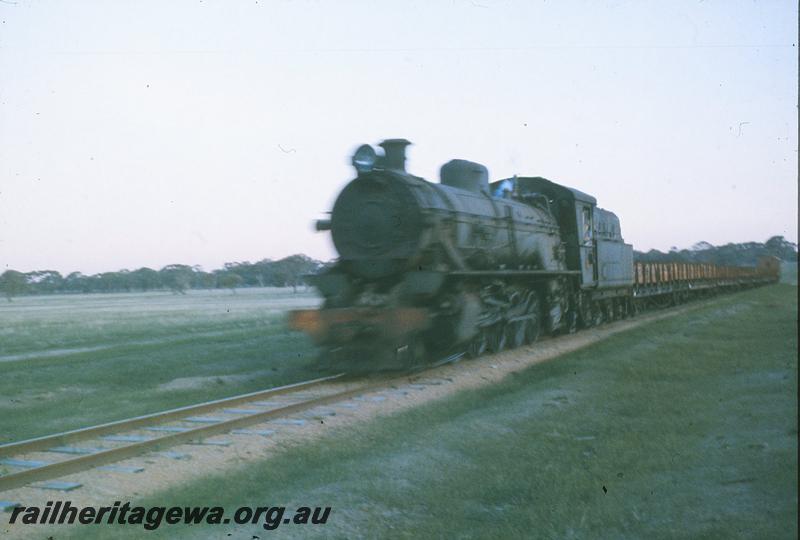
(395, 150)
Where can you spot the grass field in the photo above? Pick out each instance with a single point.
(682, 428)
(72, 361)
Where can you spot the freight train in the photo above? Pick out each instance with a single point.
(425, 268)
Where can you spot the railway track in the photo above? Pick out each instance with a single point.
(125, 436)
(116, 441)
(112, 442)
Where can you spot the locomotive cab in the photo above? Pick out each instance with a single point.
(592, 238)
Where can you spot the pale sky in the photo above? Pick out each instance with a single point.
(200, 132)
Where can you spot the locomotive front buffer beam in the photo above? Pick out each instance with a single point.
(346, 325)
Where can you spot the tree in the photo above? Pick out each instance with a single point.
(290, 270)
(76, 282)
(145, 279)
(13, 283)
(742, 254)
(781, 248)
(44, 281)
(177, 277)
(204, 280)
(229, 280)
(111, 281)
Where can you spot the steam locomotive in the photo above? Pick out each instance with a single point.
(470, 264)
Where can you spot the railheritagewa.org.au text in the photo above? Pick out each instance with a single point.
(153, 517)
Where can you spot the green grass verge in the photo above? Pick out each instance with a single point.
(72, 361)
(682, 428)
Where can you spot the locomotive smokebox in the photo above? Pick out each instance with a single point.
(395, 150)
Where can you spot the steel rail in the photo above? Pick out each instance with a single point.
(58, 439)
(91, 461)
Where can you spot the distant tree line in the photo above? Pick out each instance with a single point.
(743, 254)
(288, 272)
(178, 278)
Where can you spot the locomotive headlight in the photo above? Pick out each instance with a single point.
(364, 159)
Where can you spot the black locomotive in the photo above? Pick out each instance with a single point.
(425, 268)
